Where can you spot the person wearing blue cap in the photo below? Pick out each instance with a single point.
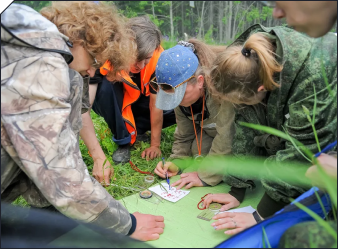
(204, 125)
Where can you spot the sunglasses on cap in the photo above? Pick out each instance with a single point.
(169, 89)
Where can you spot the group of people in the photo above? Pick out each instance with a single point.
(74, 56)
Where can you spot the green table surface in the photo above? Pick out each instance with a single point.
(182, 227)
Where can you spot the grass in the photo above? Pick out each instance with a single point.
(124, 175)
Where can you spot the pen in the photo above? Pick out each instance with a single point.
(166, 173)
(326, 149)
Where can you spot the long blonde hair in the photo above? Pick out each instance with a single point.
(236, 75)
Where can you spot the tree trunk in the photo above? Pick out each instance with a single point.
(182, 18)
(201, 24)
(244, 14)
(152, 6)
(171, 21)
(233, 26)
(211, 15)
(228, 31)
(220, 23)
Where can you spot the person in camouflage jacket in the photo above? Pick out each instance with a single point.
(42, 99)
(297, 74)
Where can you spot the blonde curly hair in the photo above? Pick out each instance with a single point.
(99, 28)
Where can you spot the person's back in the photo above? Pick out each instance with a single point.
(30, 54)
(41, 101)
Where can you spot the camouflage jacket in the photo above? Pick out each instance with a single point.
(41, 100)
(301, 58)
(218, 126)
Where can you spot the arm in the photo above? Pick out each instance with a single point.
(221, 144)
(156, 122)
(183, 137)
(298, 127)
(45, 145)
(100, 172)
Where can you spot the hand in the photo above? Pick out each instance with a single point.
(189, 179)
(102, 174)
(169, 167)
(227, 199)
(237, 222)
(328, 163)
(148, 227)
(151, 152)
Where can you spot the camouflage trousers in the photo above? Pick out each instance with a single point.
(15, 183)
(308, 235)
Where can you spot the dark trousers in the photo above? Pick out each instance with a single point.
(108, 104)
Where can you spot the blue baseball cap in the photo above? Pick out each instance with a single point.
(174, 66)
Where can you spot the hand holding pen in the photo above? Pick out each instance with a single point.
(166, 173)
(164, 168)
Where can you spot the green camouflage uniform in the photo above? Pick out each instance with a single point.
(301, 60)
(41, 101)
(308, 235)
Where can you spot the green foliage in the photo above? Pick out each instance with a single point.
(168, 44)
(208, 36)
(128, 12)
(36, 5)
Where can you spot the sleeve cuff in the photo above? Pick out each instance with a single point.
(238, 193)
(133, 225)
(204, 183)
(268, 206)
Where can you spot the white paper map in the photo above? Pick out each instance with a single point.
(172, 195)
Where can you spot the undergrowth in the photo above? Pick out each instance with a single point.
(124, 175)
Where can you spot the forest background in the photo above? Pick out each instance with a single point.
(214, 22)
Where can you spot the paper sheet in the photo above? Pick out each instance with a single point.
(247, 209)
(172, 195)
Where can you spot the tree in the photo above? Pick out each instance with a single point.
(36, 5)
(171, 20)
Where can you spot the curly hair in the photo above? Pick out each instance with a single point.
(99, 28)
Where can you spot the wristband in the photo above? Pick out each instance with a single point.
(257, 217)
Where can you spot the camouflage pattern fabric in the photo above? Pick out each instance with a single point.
(301, 57)
(219, 129)
(41, 103)
(308, 235)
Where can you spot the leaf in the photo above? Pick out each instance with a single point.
(321, 204)
(296, 147)
(313, 118)
(265, 238)
(324, 75)
(278, 133)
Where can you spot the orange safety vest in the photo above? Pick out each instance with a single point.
(132, 92)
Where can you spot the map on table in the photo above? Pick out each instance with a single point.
(172, 195)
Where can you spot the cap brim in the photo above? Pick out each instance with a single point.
(165, 101)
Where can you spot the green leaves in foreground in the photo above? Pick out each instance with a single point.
(330, 183)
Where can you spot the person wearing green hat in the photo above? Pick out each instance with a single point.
(204, 125)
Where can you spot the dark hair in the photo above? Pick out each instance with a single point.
(148, 36)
